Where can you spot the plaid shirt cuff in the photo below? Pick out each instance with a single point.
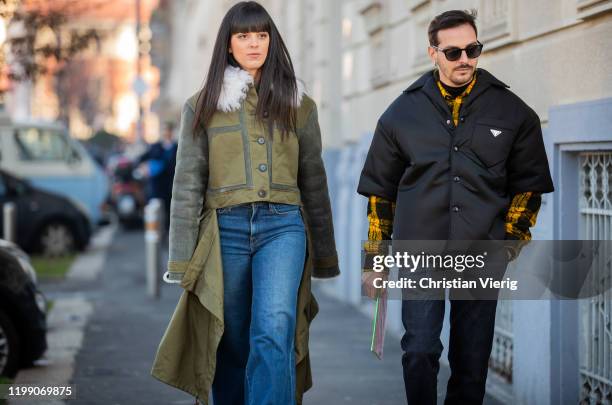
(521, 215)
(380, 219)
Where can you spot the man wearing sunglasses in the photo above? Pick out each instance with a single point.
(457, 156)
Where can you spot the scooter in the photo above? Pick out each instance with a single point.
(127, 194)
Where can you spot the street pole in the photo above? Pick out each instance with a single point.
(153, 212)
(10, 221)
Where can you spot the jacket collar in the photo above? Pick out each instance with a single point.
(236, 85)
(427, 83)
(484, 79)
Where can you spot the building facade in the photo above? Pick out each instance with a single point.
(97, 87)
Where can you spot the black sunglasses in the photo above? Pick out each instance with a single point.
(453, 53)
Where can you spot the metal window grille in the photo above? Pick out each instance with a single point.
(595, 313)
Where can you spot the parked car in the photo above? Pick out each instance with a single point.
(46, 222)
(51, 159)
(23, 318)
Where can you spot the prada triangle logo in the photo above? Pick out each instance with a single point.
(495, 132)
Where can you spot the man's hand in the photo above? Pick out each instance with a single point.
(367, 283)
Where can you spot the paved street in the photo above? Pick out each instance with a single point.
(123, 331)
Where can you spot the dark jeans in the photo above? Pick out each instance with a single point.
(471, 338)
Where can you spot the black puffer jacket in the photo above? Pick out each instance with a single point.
(455, 182)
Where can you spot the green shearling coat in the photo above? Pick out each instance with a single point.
(219, 167)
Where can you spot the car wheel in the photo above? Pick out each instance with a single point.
(56, 239)
(9, 347)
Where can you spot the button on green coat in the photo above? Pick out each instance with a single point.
(223, 167)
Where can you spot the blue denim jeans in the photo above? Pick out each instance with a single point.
(263, 248)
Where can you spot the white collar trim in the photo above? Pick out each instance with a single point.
(235, 87)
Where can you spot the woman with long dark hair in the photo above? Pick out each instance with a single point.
(250, 223)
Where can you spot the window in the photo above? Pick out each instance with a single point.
(35, 144)
(498, 23)
(375, 16)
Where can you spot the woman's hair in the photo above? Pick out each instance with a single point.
(277, 83)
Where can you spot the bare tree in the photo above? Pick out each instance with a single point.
(29, 57)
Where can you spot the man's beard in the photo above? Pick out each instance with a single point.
(471, 69)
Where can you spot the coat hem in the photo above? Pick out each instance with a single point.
(180, 387)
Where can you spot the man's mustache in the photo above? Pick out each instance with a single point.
(463, 67)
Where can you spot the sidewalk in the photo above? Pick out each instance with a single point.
(126, 326)
(346, 372)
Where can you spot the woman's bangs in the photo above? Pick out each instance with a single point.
(251, 21)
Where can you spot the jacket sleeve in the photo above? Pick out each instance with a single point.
(312, 182)
(383, 167)
(188, 193)
(527, 165)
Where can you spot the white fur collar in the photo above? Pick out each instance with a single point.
(235, 87)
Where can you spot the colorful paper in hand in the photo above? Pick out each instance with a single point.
(378, 324)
